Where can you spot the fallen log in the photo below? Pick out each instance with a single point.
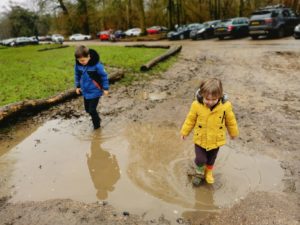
(148, 46)
(11, 110)
(114, 74)
(52, 48)
(14, 109)
(153, 62)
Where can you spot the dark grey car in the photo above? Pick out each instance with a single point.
(273, 21)
(234, 27)
(183, 32)
(207, 30)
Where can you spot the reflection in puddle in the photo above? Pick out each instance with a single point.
(140, 168)
(103, 167)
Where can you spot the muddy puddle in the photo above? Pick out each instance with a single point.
(137, 167)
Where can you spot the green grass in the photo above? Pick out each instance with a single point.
(26, 73)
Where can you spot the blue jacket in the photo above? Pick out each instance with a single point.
(91, 78)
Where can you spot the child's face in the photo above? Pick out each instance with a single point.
(84, 60)
(210, 100)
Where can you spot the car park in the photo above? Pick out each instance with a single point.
(57, 38)
(183, 32)
(205, 31)
(273, 21)
(133, 32)
(234, 27)
(79, 37)
(297, 32)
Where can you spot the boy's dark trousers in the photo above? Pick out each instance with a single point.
(205, 157)
(90, 106)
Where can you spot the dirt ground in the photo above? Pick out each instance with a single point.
(262, 81)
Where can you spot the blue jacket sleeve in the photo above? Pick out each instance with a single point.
(104, 77)
(77, 76)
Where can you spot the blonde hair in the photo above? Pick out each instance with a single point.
(211, 86)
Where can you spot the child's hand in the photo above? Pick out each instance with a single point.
(78, 91)
(182, 137)
(106, 92)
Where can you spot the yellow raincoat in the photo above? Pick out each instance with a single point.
(209, 125)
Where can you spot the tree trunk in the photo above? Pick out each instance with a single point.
(241, 8)
(142, 16)
(63, 7)
(219, 9)
(129, 12)
(153, 62)
(83, 9)
(211, 9)
(178, 12)
(14, 109)
(215, 9)
(296, 5)
(170, 12)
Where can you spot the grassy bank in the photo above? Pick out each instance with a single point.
(26, 73)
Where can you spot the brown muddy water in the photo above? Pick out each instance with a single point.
(137, 167)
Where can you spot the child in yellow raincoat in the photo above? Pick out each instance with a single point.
(210, 115)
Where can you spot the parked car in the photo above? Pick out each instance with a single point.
(33, 40)
(207, 30)
(156, 29)
(79, 37)
(42, 38)
(57, 38)
(133, 32)
(297, 32)
(273, 21)
(119, 34)
(234, 27)
(7, 42)
(183, 32)
(21, 41)
(104, 35)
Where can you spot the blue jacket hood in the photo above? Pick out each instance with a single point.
(95, 58)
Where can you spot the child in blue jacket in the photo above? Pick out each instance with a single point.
(91, 80)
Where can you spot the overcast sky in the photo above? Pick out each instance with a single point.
(5, 3)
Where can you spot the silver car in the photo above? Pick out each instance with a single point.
(79, 37)
(57, 38)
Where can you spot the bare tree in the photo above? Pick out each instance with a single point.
(241, 8)
(140, 4)
(129, 13)
(82, 8)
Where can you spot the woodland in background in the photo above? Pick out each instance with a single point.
(91, 16)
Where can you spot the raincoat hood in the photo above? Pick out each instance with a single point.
(95, 58)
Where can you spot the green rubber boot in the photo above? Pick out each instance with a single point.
(200, 170)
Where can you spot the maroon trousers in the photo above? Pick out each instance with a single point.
(204, 157)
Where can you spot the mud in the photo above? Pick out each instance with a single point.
(55, 169)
